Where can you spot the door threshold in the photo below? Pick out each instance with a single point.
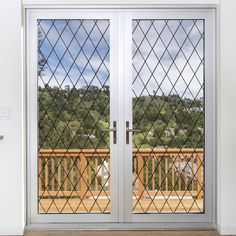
(121, 226)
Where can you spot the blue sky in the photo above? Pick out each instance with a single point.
(75, 51)
(151, 48)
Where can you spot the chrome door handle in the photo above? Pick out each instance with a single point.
(128, 130)
(110, 129)
(114, 129)
(133, 130)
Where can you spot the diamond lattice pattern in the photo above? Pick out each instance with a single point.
(73, 104)
(168, 109)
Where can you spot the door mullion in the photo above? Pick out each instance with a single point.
(121, 110)
(127, 88)
(114, 94)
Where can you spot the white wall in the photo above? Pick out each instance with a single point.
(227, 120)
(11, 148)
(11, 158)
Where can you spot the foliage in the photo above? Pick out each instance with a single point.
(75, 118)
(42, 61)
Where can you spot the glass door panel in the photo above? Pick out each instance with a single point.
(168, 116)
(73, 116)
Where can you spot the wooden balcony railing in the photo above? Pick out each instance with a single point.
(83, 173)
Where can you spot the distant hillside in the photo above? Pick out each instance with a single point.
(75, 118)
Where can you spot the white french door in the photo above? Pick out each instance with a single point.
(168, 113)
(120, 116)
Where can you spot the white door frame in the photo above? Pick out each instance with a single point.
(122, 72)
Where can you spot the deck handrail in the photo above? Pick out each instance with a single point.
(76, 152)
(74, 172)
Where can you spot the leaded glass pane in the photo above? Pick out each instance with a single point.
(74, 108)
(168, 109)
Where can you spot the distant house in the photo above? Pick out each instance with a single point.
(67, 87)
(194, 109)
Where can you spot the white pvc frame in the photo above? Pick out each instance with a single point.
(121, 43)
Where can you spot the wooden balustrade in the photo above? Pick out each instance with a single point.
(83, 173)
(172, 172)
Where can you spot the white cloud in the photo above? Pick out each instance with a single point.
(166, 69)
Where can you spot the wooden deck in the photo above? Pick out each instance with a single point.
(102, 205)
